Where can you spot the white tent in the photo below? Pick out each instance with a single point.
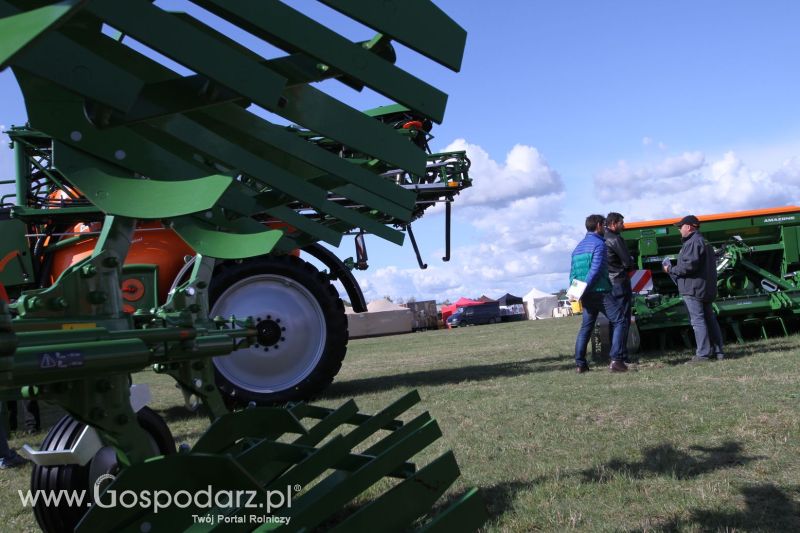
(382, 318)
(540, 304)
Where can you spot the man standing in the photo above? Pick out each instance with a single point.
(589, 264)
(620, 263)
(696, 276)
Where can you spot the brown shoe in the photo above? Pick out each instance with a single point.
(582, 369)
(618, 366)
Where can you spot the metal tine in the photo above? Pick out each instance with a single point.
(333, 492)
(467, 514)
(381, 419)
(391, 439)
(406, 501)
(255, 423)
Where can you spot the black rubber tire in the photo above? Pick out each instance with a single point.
(330, 305)
(63, 518)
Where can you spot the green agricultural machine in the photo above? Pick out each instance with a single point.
(758, 269)
(144, 121)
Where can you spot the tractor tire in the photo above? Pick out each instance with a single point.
(302, 330)
(64, 517)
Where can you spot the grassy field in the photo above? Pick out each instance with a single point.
(667, 447)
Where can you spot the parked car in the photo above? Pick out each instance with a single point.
(473, 315)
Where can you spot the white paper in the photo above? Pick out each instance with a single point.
(575, 290)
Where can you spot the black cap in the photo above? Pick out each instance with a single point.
(688, 219)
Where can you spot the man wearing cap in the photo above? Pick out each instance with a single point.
(590, 265)
(696, 276)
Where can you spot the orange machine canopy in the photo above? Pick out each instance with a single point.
(718, 216)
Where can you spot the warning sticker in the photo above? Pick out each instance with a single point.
(71, 359)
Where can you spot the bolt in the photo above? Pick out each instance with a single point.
(208, 214)
(197, 382)
(278, 320)
(120, 155)
(88, 271)
(76, 136)
(190, 291)
(266, 349)
(283, 329)
(283, 339)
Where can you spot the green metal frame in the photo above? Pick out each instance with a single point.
(127, 139)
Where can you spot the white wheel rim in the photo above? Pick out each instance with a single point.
(290, 305)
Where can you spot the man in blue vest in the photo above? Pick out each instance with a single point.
(590, 265)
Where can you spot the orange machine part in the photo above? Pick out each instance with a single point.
(719, 216)
(153, 244)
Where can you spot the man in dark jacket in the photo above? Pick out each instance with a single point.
(590, 265)
(696, 277)
(620, 263)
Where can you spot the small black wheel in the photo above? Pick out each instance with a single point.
(64, 517)
(301, 323)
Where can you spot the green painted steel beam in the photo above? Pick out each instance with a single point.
(208, 240)
(21, 29)
(248, 162)
(286, 28)
(418, 24)
(113, 192)
(196, 50)
(295, 146)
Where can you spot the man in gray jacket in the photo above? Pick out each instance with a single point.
(696, 276)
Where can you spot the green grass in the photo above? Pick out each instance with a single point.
(668, 447)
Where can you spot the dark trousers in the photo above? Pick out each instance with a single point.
(706, 328)
(620, 297)
(594, 304)
(31, 413)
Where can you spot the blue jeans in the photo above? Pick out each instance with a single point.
(620, 296)
(706, 329)
(593, 304)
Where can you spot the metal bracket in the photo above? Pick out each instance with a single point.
(422, 265)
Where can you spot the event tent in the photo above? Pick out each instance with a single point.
(511, 307)
(540, 304)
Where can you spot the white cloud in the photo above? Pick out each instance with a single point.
(647, 141)
(689, 183)
(525, 173)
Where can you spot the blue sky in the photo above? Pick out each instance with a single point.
(567, 108)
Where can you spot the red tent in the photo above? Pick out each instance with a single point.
(448, 310)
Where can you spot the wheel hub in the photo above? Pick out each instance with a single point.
(269, 332)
